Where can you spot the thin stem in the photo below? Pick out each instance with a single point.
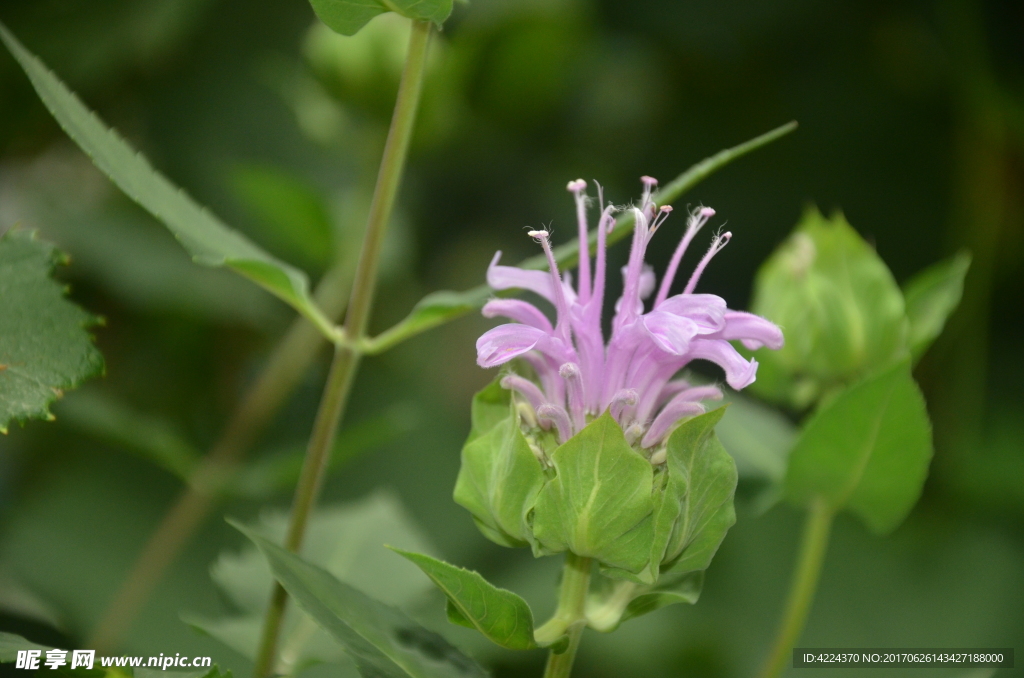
(346, 355)
(805, 582)
(285, 368)
(572, 600)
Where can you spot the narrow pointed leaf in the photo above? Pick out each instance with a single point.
(207, 239)
(868, 450)
(382, 640)
(500, 615)
(349, 16)
(931, 296)
(45, 348)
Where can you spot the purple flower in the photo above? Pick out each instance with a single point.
(632, 376)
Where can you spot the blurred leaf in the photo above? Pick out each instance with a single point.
(10, 643)
(931, 296)
(840, 308)
(44, 346)
(867, 450)
(383, 641)
(348, 16)
(279, 471)
(295, 218)
(207, 239)
(759, 438)
(599, 503)
(443, 306)
(432, 310)
(348, 541)
(500, 615)
(151, 437)
(212, 672)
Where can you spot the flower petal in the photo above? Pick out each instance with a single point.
(669, 332)
(707, 310)
(753, 330)
(518, 310)
(505, 342)
(739, 372)
(511, 277)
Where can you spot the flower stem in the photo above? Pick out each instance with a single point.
(572, 600)
(346, 355)
(813, 546)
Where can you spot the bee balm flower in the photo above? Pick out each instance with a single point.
(631, 375)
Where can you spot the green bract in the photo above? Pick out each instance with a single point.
(599, 497)
(837, 302)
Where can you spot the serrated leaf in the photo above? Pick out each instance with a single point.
(500, 615)
(207, 239)
(599, 503)
(348, 541)
(348, 16)
(10, 643)
(931, 296)
(383, 641)
(44, 346)
(867, 450)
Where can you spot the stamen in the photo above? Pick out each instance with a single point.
(650, 184)
(716, 246)
(663, 213)
(552, 415)
(623, 404)
(694, 223)
(562, 326)
(579, 188)
(574, 390)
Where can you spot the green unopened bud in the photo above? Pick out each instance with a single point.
(839, 306)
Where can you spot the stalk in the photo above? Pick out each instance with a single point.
(572, 600)
(285, 368)
(813, 546)
(347, 355)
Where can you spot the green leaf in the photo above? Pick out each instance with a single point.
(702, 479)
(383, 641)
(432, 310)
(295, 218)
(840, 307)
(206, 238)
(500, 476)
(10, 643)
(599, 503)
(500, 615)
(348, 16)
(148, 436)
(612, 602)
(931, 296)
(867, 450)
(347, 540)
(44, 346)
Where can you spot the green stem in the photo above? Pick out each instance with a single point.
(572, 600)
(347, 355)
(805, 581)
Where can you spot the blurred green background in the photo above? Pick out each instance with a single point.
(911, 121)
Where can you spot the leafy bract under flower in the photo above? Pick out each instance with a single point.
(631, 375)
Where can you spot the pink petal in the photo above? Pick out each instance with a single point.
(753, 330)
(707, 310)
(518, 310)
(669, 332)
(739, 373)
(505, 342)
